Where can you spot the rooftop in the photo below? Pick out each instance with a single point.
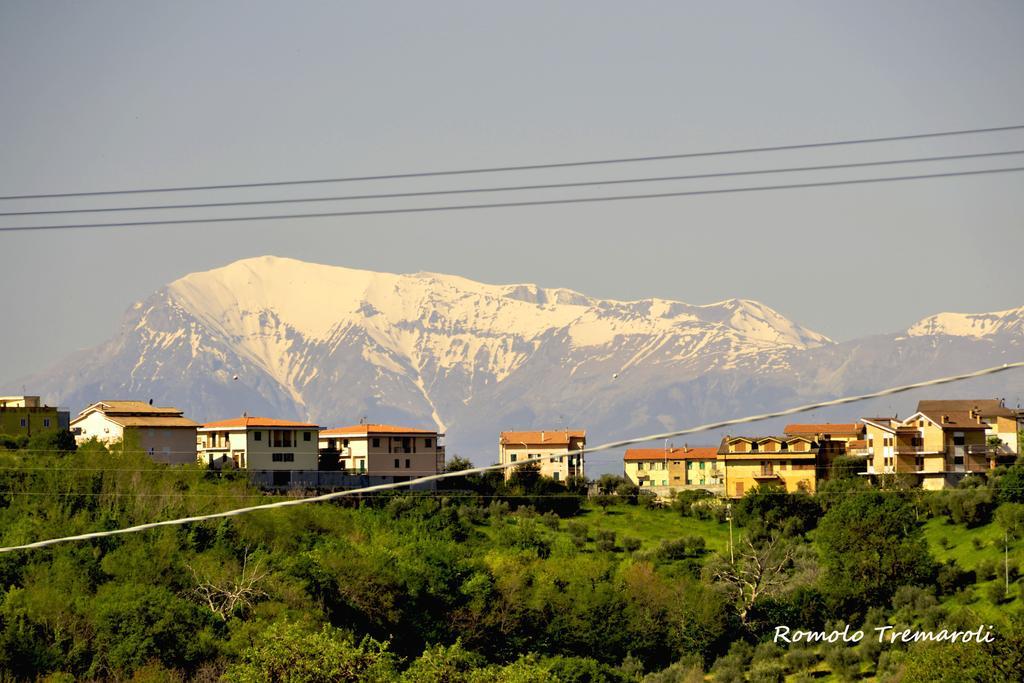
(246, 422)
(696, 453)
(364, 429)
(554, 437)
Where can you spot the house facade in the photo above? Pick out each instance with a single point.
(29, 416)
(749, 461)
(399, 453)
(1003, 423)
(259, 443)
(937, 446)
(672, 468)
(163, 432)
(553, 446)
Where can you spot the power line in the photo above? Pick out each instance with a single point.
(478, 470)
(504, 205)
(523, 167)
(516, 188)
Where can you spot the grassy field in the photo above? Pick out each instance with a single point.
(957, 542)
(652, 526)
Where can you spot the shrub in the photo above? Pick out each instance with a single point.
(630, 544)
(996, 592)
(986, 570)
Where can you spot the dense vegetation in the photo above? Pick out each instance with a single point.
(490, 581)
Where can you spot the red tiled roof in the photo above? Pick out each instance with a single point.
(696, 453)
(364, 429)
(554, 437)
(257, 422)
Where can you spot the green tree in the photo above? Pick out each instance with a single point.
(871, 544)
(291, 652)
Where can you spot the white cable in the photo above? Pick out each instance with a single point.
(490, 468)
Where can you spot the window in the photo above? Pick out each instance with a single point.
(283, 457)
(408, 464)
(429, 443)
(555, 476)
(785, 446)
(396, 463)
(511, 457)
(640, 466)
(258, 436)
(375, 442)
(305, 436)
(702, 465)
(46, 422)
(753, 446)
(23, 422)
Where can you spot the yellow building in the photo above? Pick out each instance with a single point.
(382, 450)
(938, 446)
(162, 432)
(554, 445)
(787, 461)
(28, 416)
(663, 469)
(260, 443)
(1004, 423)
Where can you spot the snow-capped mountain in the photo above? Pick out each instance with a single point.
(334, 344)
(977, 325)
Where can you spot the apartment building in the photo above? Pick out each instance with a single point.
(667, 468)
(28, 416)
(1003, 423)
(937, 446)
(163, 432)
(260, 443)
(834, 439)
(749, 461)
(399, 453)
(555, 447)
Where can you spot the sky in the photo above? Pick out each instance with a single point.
(119, 95)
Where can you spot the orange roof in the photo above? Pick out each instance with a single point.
(833, 428)
(697, 453)
(554, 437)
(257, 422)
(364, 429)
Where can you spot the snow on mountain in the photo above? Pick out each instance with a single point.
(975, 325)
(333, 344)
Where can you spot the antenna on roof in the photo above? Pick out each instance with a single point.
(362, 420)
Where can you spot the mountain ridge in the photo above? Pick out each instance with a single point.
(333, 344)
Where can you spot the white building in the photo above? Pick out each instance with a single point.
(162, 432)
(554, 445)
(259, 443)
(383, 450)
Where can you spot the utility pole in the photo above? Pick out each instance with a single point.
(728, 509)
(1006, 559)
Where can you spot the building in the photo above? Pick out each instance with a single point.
(787, 461)
(834, 439)
(28, 416)
(937, 445)
(1004, 423)
(664, 469)
(399, 453)
(260, 443)
(162, 432)
(554, 446)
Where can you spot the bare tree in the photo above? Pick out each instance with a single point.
(758, 571)
(241, 591)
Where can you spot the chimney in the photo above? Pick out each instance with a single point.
(945, 419)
